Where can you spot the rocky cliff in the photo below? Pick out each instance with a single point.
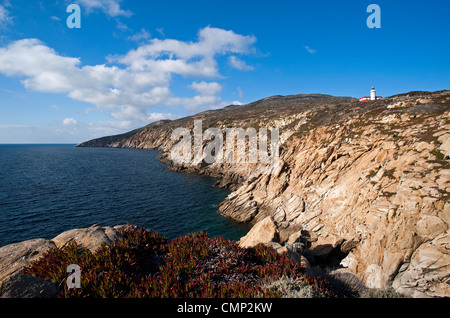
(364, 185)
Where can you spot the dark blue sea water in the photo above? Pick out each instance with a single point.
(49, 189)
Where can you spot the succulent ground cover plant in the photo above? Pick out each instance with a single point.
(143, 263)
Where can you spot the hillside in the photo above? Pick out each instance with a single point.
(273, 110)
(364, 185)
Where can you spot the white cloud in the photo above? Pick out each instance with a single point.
(128, 114)
(310, 51)
(42, 68)
(141, 35)
(205, 88)
(239, 64)
(132, 113)
(152, 117)
(129, 85)
(198, 103)
(5, 18)
(70, 122)
(109, 7)
(188, 58)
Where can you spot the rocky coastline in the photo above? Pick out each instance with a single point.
(362, 183)
(361, 186)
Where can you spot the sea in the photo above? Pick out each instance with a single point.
(48, 189)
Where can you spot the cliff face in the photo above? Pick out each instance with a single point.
(363, 184)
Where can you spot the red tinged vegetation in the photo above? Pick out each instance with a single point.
(143, 264)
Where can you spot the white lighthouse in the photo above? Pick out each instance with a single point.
(373, 94)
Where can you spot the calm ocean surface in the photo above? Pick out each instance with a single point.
(49, 189)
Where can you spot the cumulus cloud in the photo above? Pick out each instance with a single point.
(160, 116)
(239, 64)
(129, 85)
(70, 122)
(188, 58)
(205, 88)
(42, 69)
(109, 7)
(199, 102)
(136, 114)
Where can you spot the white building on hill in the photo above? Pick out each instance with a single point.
(373, 96)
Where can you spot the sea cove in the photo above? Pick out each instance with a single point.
(48, 189)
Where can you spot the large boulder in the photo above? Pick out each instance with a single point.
(427, 274)
(20, 285)
(265, 231)
(13, 259)
(91, 238)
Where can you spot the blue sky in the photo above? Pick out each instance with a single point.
(133, 62)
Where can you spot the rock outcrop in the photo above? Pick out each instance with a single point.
(91, 238)
(263, 232)
(360, 184)
(15, 257)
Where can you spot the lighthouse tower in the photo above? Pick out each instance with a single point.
(373, 94)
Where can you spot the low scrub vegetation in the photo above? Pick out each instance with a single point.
(143, 263)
